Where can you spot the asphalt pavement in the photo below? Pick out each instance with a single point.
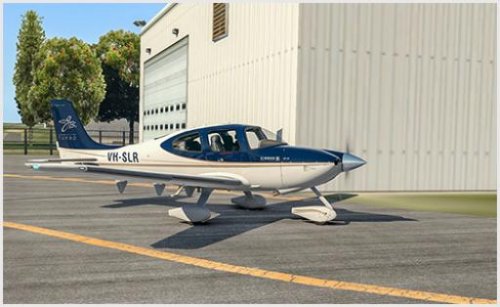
(448, 254)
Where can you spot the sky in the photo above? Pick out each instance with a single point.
(84, 21)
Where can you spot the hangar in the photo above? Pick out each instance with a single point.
(408, 87)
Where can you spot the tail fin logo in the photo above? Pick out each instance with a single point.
(67, 124)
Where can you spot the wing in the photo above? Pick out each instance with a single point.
(214, 181)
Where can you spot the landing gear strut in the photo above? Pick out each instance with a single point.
(195, 213)
(189, 191)
(318, 214)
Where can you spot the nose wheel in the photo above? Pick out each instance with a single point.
(318, 214)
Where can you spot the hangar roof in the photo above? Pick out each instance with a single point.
(157, 17)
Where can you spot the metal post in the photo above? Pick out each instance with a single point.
(123, 138)
(100, 136)
(50, 141)
(25, 141)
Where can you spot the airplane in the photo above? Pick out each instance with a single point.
(235, 157)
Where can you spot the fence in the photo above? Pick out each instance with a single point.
(38, 140)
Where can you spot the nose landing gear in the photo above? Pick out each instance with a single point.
(318, 214)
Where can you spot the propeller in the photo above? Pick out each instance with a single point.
(348, 151)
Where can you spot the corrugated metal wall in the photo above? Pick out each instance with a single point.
(248, 77)
(409, 87)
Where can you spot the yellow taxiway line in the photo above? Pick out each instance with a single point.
(214, 265)
(254, 272)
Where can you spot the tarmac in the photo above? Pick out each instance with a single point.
(71, 238)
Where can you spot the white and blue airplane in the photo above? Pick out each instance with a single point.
(229, 157)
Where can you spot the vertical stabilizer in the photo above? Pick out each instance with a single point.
(69, 129)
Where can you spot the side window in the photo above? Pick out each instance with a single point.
(223, 141)
(189, 143)
(254, 136)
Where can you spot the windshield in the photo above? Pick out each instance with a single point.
(270, 135)
(259, 138)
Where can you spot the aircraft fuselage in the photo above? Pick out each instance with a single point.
(276, 168)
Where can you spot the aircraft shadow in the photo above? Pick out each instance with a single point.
(234, 221)
(166, 201)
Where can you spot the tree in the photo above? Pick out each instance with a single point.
(121, 100)
(67, 68)
(119, 52)
(30, 38)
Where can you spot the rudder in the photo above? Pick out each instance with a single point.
(69, 129)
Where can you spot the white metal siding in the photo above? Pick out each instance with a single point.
(248, 77)
(409, 87)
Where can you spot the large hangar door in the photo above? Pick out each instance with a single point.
(165, 91)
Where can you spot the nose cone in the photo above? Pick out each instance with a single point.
(350, 162)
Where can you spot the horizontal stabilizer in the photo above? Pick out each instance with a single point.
(56, 167)
(82, 160)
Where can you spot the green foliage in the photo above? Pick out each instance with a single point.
(121, 100)
(30, 38)
(119, 52)
(67, 68)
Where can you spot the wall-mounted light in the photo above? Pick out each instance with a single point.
(175, 31)
(139, 23)
(148, 50)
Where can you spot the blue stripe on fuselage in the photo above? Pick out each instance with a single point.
(294, 154)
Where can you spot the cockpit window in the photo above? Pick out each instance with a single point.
(253, 138)
(270, 135)
(189, 142)
(260, 138)
(223, 141)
